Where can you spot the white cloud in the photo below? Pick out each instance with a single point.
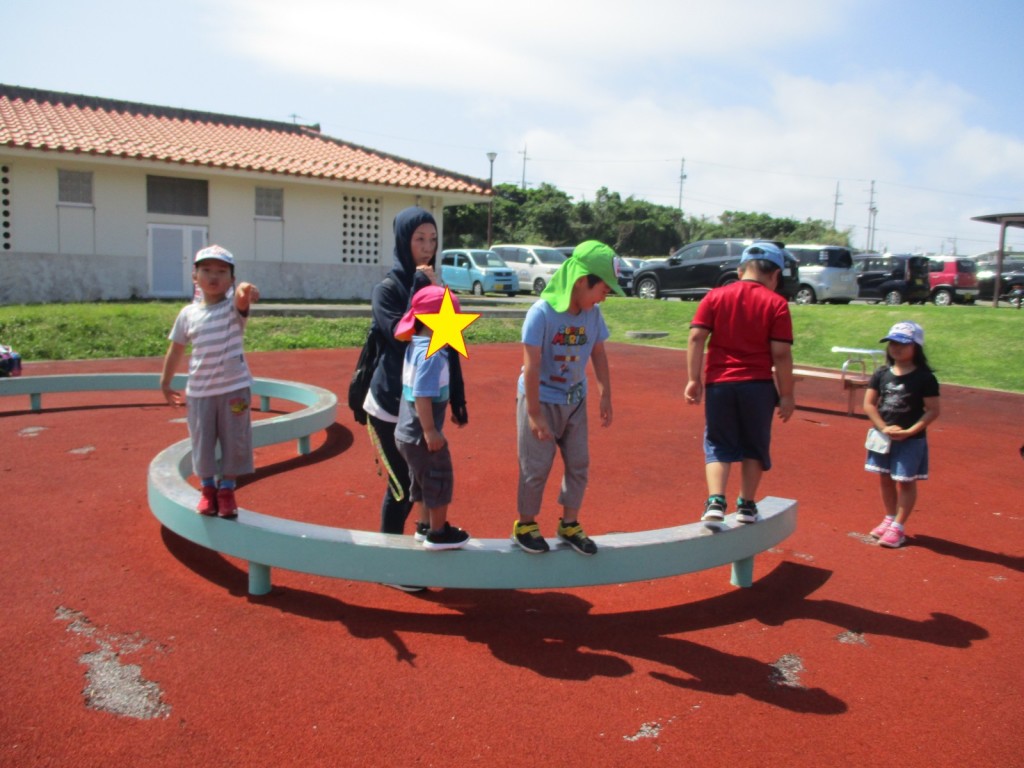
(535, 49)
(605, 93)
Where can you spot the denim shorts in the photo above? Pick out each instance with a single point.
(906, 461)
(738, 421)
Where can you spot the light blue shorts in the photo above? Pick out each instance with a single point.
(906, 461)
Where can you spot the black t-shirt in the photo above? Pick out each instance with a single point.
(901, 398)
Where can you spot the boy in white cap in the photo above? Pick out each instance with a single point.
(218, 391)
(562, 331)
(751, 344)
(901, 400)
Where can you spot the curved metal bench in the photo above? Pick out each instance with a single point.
(269, 542)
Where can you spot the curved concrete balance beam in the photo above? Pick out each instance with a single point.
(321, 404)
(266, 542)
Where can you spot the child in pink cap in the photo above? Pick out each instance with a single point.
(419, 434)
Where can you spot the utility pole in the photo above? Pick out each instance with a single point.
(525, 158)
(682, 178)
(835, 208)
(491, 156)
(872, 213)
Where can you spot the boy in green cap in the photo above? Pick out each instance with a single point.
(562, 331)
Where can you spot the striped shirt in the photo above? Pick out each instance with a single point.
(217, 363)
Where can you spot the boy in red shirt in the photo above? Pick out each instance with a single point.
(751, 332)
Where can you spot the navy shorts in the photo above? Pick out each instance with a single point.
(738, 421)
(906, 461)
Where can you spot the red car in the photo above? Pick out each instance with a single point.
(952, 280)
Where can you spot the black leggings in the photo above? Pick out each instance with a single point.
(393, 513)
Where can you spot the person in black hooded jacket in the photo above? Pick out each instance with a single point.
(414, 268)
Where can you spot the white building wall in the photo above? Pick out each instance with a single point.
(100, 252)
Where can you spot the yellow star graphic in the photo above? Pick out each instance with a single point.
(447, 326)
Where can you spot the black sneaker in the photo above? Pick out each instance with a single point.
(527, 536)
(714, 510)
(448, 537)
(746, 511)
(422, 529)
(574, 536)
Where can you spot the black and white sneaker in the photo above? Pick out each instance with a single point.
(746, 511)
(422, 529)
(448, 537)
(714, 511)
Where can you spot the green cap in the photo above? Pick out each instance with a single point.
(588, 258)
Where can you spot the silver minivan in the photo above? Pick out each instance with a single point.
(826, 274)
(534, 264)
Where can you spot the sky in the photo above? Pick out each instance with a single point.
(808, 109)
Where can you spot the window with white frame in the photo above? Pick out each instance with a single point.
(74, 187)
(269, 203)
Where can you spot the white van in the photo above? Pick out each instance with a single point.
(826, 274)
(534, 264)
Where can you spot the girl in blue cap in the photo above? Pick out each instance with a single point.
(902, 399)
(562, 331)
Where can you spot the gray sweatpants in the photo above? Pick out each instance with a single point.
(568, 424)
(224, 421)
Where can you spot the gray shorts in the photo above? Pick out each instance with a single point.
(221, 424)
(569, 426)
(430, 473)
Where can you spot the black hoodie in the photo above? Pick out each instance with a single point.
(392, 297)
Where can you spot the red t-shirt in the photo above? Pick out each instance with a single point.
(744, 318)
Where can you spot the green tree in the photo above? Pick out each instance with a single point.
(547, 216)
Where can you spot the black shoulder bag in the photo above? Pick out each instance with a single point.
(361, 376)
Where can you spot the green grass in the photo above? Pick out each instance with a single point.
(973, 346)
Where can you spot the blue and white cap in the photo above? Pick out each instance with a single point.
(767, 251)
(906, 332)
(214, 252)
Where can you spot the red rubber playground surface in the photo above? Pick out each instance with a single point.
(125, 645)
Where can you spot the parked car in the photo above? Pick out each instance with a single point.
(952, 280)
(695, 269)
(477, 270)
(1013, 274)
(534, 264)
(826, 274)
(892, 277)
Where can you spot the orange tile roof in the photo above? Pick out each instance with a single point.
(63, 122)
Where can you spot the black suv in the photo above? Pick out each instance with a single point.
(892, 277)
(695, 269)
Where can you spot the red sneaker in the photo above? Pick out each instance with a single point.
(208, 502)
(226, 504)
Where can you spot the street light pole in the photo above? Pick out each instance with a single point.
(490, 203)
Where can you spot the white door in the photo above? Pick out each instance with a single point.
(171, 250)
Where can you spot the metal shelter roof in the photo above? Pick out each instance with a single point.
(1004, 220)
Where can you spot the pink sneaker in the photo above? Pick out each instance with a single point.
(893, 537)
(881, 528)
(208, 501)
(226, 504)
